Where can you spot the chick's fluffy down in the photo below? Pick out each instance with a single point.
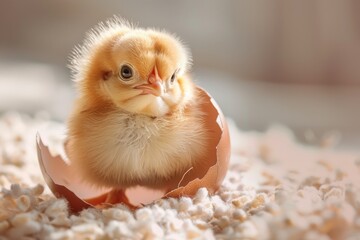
(146, 129)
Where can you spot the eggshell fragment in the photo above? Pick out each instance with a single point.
(64, 180)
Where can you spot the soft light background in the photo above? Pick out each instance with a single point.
(290, 62)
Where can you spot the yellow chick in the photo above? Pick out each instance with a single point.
(136, 120)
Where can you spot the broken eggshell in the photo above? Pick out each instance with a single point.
(65, 181)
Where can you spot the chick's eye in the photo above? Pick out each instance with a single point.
(126, 72)
(172, 79)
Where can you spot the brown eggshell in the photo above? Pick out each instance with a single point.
(64, 180)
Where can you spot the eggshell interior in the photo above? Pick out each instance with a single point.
(64, 180)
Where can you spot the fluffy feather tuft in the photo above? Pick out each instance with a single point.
(79, 57)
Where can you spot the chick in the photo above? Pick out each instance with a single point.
(136, 120)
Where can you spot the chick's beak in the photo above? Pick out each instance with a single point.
(154, 85)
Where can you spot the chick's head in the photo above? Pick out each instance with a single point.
(141, 71)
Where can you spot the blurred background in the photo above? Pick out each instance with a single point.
(295, 63)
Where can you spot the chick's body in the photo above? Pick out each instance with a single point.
(137, 120)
